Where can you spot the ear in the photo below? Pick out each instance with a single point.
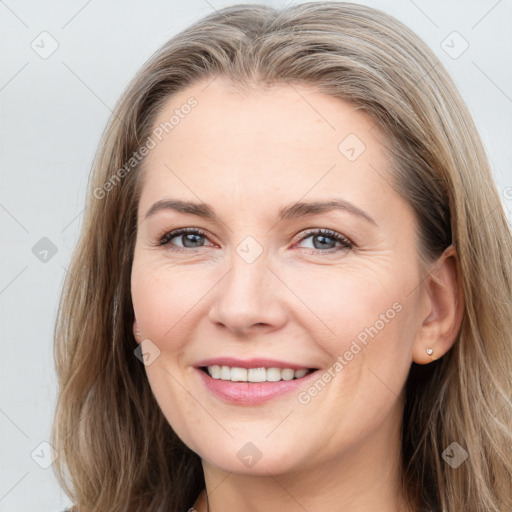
(136, 332)
(444, 306)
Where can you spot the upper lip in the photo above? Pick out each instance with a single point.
(256, 362)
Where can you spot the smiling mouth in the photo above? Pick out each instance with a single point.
(254, 375)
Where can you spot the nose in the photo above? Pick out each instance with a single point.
(249, 299)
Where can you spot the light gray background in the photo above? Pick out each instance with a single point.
(53, 111)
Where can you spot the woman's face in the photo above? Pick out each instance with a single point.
(260, 283)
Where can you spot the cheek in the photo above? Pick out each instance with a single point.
(344, 304)
(163, 301)
(362, 320)
(163, 304)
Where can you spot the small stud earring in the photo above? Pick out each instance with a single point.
(429, 351)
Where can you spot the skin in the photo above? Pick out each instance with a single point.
(248, 155)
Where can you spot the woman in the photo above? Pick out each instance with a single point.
(292, 289)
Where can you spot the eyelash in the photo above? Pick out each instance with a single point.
(346, 244)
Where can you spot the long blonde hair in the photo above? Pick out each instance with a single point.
(116, 450)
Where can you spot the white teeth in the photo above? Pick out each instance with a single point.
(236, 374)
(239, 374)
(273, 374)
(287, 374)
(215, 371)
(256, 375)
(225, 373)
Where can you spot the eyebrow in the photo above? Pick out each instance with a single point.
(291, 211)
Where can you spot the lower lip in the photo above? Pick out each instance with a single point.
(251, 393)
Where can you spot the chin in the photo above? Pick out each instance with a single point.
(274, 464)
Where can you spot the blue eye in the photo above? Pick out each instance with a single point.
(190, 237)
(325, 238)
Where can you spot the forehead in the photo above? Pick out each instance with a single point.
(278, 114)
(291, 140)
